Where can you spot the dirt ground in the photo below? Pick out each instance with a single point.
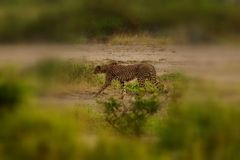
(218, 64)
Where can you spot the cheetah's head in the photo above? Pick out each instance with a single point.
(103, 68)
(100, 69)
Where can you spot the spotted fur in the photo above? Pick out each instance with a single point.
(125, 73)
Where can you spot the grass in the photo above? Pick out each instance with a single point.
(63, 71)
(56, 76)
(189, 121)
(34, 133)
(138, 39)
(200, 129)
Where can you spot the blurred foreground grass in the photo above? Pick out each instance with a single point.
(187, 121)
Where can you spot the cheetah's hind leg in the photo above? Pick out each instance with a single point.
(123, 90)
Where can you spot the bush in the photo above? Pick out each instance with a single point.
(130, 119)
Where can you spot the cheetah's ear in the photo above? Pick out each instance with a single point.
(113, 63)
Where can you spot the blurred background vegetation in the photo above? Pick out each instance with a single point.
(83, 20)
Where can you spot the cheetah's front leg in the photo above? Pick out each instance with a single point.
(123, 90)
(106, 84)
(102, 89)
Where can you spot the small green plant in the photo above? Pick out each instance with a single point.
(130, 119)
(135, 89)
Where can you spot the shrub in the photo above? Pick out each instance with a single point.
(130, 119)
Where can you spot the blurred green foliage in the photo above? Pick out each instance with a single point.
(119, 149)
(200, 129)
(32, 133)
(174, 85)
(13, 89)
(78, 20)
(194, 124)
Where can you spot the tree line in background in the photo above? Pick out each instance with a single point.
(76, 20)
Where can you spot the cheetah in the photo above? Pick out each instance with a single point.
(125, 73)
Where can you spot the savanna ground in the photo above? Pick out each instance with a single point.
(53, 114)
(217, 64)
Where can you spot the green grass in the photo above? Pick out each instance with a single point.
(33, 133)
(189, 121)
(56, 76)
(63, 71)
(200, 130)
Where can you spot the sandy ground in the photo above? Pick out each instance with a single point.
(217, 63)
